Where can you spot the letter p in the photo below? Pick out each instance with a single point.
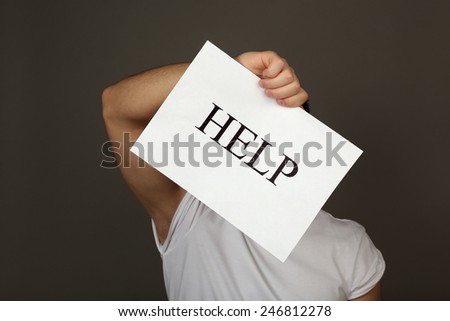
(280, 168)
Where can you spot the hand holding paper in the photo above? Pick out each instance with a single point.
(279, 80)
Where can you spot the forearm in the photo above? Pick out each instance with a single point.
(132, 102)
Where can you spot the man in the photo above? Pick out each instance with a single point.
(205, 257)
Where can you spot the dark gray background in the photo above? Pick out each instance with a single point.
(377, 72)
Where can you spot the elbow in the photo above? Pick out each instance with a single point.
(108, 103)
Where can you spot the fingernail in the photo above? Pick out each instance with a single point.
(261, 83)
(280, 102)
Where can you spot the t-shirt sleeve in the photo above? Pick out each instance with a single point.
(368, 265)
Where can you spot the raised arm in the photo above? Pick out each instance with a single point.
(130, 104)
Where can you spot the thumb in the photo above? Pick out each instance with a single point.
(266, 64)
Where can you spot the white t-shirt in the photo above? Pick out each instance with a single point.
(206, 258)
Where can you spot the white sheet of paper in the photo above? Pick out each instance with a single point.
(274, 215)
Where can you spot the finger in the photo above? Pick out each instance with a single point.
(286, 91)
(296, 100)
(284, 78)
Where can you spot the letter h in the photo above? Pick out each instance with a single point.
(209, 119)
